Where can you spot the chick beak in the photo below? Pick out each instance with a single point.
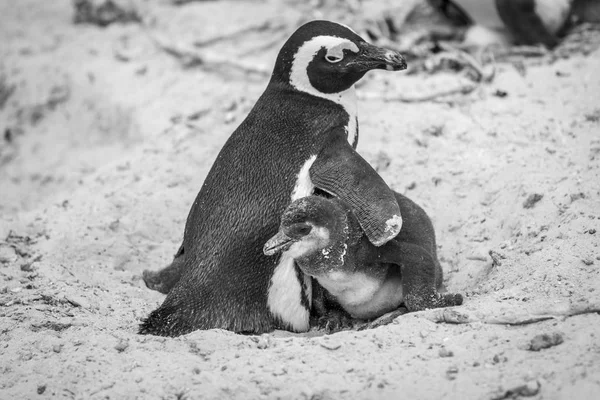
(373, 57)
(278, 243)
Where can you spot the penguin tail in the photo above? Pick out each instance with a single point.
(164, 321)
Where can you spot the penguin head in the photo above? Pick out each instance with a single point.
(311, 225)
(324, 58)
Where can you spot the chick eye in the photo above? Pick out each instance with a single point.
(333, 59)
(301, 229)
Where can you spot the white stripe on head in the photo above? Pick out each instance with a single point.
(300, 81)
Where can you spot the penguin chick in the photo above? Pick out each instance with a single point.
(327, 243)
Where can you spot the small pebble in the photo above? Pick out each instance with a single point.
(532, 200)
(57, 348)
(77, 301)
(262, 343)
(121, 346)
(545, 341)
(229, 117)
(528, 389)
(531, 388)
(444, 352)
(7, 255)
(498, 358)
(41, 389)
(451, 373)
(27, 267)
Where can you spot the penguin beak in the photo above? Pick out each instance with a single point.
(373, 57)
(278, 243)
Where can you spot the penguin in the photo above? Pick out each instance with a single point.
(299, 137)
(526, 22)
(327, 243)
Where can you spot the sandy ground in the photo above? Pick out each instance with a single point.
(108, 139)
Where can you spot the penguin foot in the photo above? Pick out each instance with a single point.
(385, 319)
(335, 321)
(451, 299)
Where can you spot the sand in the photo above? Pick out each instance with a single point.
(107, 140)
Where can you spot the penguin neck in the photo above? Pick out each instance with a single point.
(346, 99)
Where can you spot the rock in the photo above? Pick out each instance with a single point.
(577, 196)
(382, 161)
(444, 352)
(122, 346)
(498, 358)
(8, 255)
(530, 388)
(435, 130)
(104, 12)
(532, 200)
(262, 343)
(451, 373)
(77, 301)
(545, 341)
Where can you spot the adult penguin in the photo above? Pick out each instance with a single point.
(525, 21)
(298, 138)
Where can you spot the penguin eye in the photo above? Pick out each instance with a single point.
(333, 59)
(299, 230)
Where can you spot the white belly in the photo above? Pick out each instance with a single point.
(364, 296)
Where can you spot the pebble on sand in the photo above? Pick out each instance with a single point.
(544, 341)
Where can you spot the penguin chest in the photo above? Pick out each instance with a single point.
(553, 13)
(290, 291)
(304, 186)
(289, 296)
(364, 296)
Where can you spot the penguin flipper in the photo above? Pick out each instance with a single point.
(418, 276)
(339, 170)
